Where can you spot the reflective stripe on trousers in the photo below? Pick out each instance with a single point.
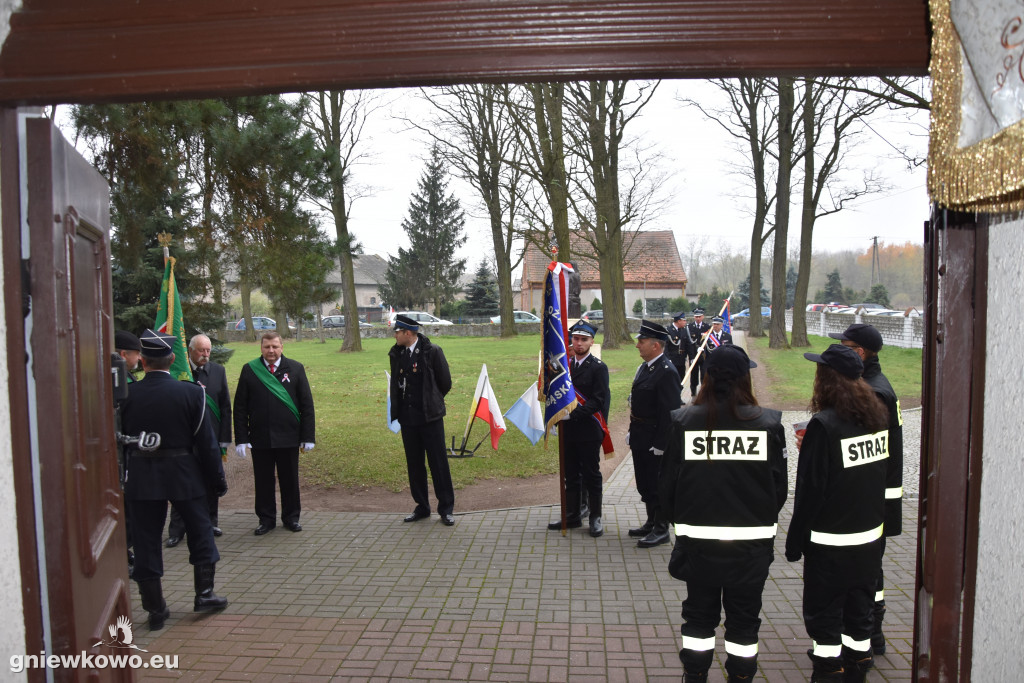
(698, 644)
(894, 493)
(737, 650)
(858, 645)
(859, 538)
(879, 596)
(727, 533)
(820, 650)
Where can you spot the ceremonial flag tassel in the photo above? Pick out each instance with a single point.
(392, 423)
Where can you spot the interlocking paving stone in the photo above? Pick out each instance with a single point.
(497, 597)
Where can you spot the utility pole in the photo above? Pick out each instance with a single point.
(876, 266)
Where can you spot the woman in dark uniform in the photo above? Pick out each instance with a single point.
(839, 513)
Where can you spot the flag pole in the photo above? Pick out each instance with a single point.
(704, 343)
(561, 427)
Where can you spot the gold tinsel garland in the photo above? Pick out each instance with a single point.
(987, 176)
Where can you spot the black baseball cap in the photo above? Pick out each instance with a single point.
(126, 341)
(861, 334)
(842, 359)
(729, 362)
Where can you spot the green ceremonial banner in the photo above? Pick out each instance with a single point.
(173, 325)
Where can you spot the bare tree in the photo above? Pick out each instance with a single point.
(750, 117)
(476, 137)
(833, 111)
(539, 129)
(599, 113)
(784, 125)
(337, 119)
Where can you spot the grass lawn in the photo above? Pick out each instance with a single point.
(353, 444)
(792, 375)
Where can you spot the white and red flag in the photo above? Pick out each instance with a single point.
(487, 407)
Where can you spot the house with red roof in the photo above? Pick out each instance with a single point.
(651, 268)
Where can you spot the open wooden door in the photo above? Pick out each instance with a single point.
(69, 339)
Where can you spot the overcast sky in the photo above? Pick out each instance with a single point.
(702, 193)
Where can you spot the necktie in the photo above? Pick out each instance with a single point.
(273, 366)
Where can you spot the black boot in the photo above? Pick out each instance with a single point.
(695, 678)
(573, 520)
(153, 602)
(826, 669)
(206, 600)
(877, 637)
(658, 536)
(856, 667)
(596, 525)
(646, 527)
(585, 504)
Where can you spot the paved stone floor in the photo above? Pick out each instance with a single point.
(497, 597)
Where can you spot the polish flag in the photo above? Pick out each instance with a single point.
(487, 407)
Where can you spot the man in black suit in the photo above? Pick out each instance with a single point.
(654, 395)
(677, 348)
(695, 332)
(274, 417)
(718, 336)
(584, 433)
(178, 468)
(420, 380)
(212, 378)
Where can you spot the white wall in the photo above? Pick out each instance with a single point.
(12, 628)
(998, 628)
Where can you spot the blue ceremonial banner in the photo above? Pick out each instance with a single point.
(559, 397)
(726, 318)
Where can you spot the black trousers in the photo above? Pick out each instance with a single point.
(697, 376)
(148, 518)
(285, 461)
(428, 439)
(176, 527)
(702, 610)
(583, 472)
(646, 465)
(836, 608)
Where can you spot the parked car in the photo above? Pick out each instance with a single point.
(420, 317)
(814, 308)
(259, 323)
(766, 312)
(518, 317)
(596, 316)
(879, 307)
(329, 321)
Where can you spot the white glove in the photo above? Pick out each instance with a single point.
(224, 445)
(307, 447)
(240, 449)
(657, 451)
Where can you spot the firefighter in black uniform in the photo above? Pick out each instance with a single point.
(718, 337)
(867, 342)
(186, 461)
(128, 347)
(724, 482)
(694, 333)
(654, 395)
(584, 433)
(676, 349)
(839, 513)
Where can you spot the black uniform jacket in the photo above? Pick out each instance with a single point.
(591, 381)
(723, 337)
(655, 394)
(261, 419)
(677, 346)
(840, 490)
(437, 378)
(693, 335)
(894, 476)
(177, 412)
(723, 489)
(215, 381)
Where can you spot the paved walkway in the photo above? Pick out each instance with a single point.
(497, 597)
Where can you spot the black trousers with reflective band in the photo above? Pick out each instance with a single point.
(702, 611)
(836, 606)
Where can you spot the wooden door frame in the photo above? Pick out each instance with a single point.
(121, 50)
